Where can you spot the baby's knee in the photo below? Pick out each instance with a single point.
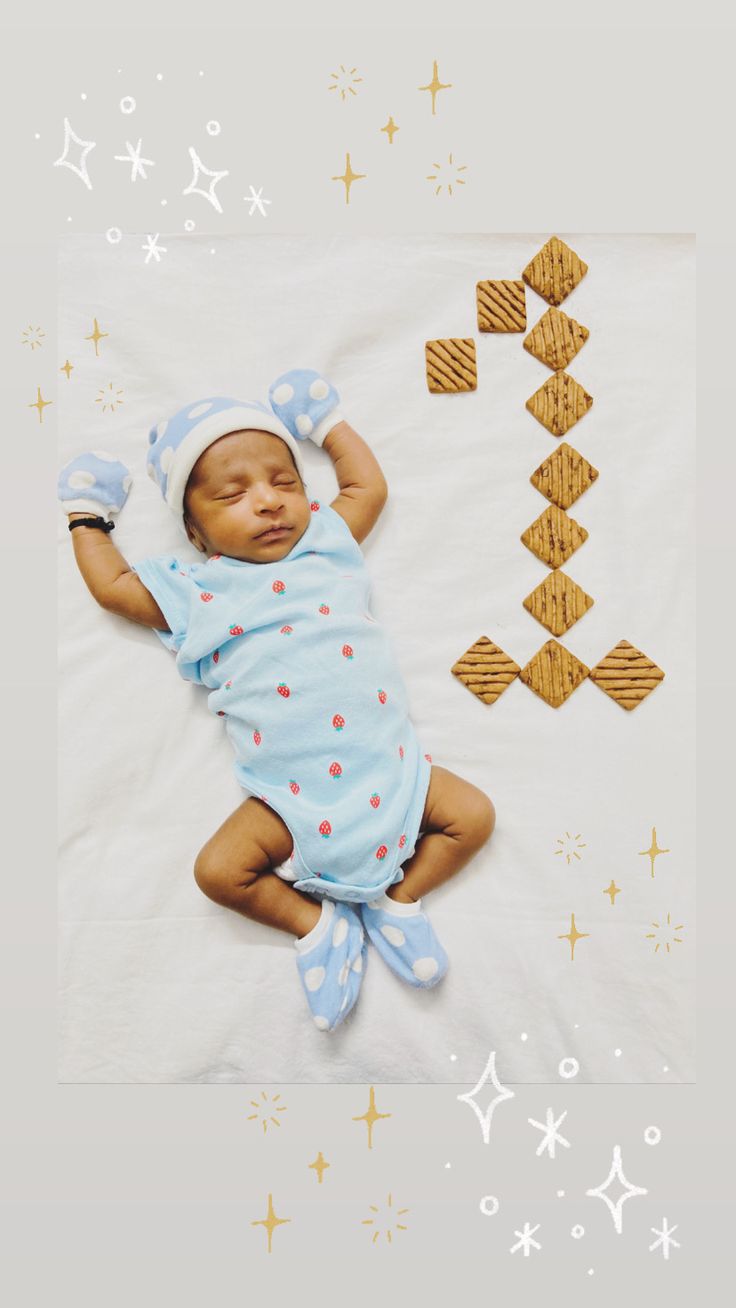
(216, 879)
(481, 818)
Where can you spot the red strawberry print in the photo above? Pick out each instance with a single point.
(286, 631)
(294, 788)
(375, 800)
(381, 852)
(335, 770)
(324, 608)
(216, 656)
(338, 722)
(382, 696)
(235, 630)
(283, 689)
(428, 757)
(278, 588)
(257, 737)
(401, 751)
(347, 651)
(402, 842)
(228, 684)
(220, 713)
(314, 506)
(206, 595)
(212, 558)
(325, 829)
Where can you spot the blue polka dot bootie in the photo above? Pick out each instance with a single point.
(330, 961)
(405, 939)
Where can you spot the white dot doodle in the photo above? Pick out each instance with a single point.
(189, 225)
(489, 1204)
(448, 1164)
(568, 1068)
(591, 1271)
(453, 1058)
(523, 1036)
(652, 1135)
(213, 127)
(560, 1194)
(577, 1232)
(164, 202)
(113, 234)
(159, 77)
(84, 95)
(617, 1053)
(127, 105)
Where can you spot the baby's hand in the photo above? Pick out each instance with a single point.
(95, 482)
(305, 403)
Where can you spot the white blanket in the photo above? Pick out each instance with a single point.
(159, 984)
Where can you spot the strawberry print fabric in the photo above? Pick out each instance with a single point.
(309, 691)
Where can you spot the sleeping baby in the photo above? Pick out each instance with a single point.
(347, 825)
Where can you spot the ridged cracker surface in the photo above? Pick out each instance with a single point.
(554, 536)
(501, 306)
(451, 365)
(559, 403)
(627, 675)
(556, 339)
(553, 673)
(564, 476)
(558, 602)
(485, 669)
(554, 271)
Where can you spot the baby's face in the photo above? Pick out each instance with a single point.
(242, 485)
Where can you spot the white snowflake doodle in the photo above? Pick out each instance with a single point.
(551, 1136)
(153, 249)
(665, 1239)
(525, 1240)
(134, 157)
(255, 202)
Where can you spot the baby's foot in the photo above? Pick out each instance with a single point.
(405, 939)
(330, 961)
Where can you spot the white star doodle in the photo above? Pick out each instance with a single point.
(551, 1136)
(153, 249)
(665, 1238)
(255, 202)
(628, 1191)
(525, 1240)
(485, 1117)
(79, 168)
(134, 157)
(193, 189)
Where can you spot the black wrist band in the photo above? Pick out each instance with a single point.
(91, 522)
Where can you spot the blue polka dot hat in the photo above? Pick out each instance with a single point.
(176, 443)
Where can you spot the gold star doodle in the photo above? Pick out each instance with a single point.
(348, 177)
(371, 1221)
(570, 850)
(35, 339)
(40, 404)
(342, 82)
(271, 1221)
(613, 890)
(319, 1165)
(109, 399)
(653, 850)
(269, 1115)
(573, 936)
(96, 336)
(444, 175)
(371, 1117)
(390, 128)
(667, 934)
(67, 367)
(435, 85)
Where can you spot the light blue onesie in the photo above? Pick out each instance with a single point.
(312, 698)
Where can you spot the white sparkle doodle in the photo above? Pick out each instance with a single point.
(665, 1239)
(551, 1136)
(79, 168)
(485, 1117)
(255, 202)
(193, 189)
(153, 249)
(134, 157)
(628, 1190)
(525, 1240)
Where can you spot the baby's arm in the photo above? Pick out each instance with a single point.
(363, 487)
(109, 579)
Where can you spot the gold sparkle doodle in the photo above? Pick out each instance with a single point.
(348, 177)
(344, 82)
(109, 398)
(573, 936)
(570, 850)
(653, 850)
(39, 404)
(271, 1221)
(443, 176)
(613, 890)
(435, 85)
(96, 336)
(319, 1165)
(67, 367)
(371, 1221)
(269, 1117)
(371, 1116)
(668, 936)
(35, 339)
(390, 128)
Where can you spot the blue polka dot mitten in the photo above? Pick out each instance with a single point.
(405, 939)
(95, 483)
(306, 403)
(330, 961)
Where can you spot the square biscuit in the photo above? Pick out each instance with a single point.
(501, 306)
(485, 669)
(559, 403)
(554, 271)
(556, 339)
(451, 365)
(564, 476)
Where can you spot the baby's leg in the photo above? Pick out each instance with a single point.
(234, 869)
(458, 819)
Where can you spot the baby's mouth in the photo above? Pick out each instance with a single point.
(273, 533)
